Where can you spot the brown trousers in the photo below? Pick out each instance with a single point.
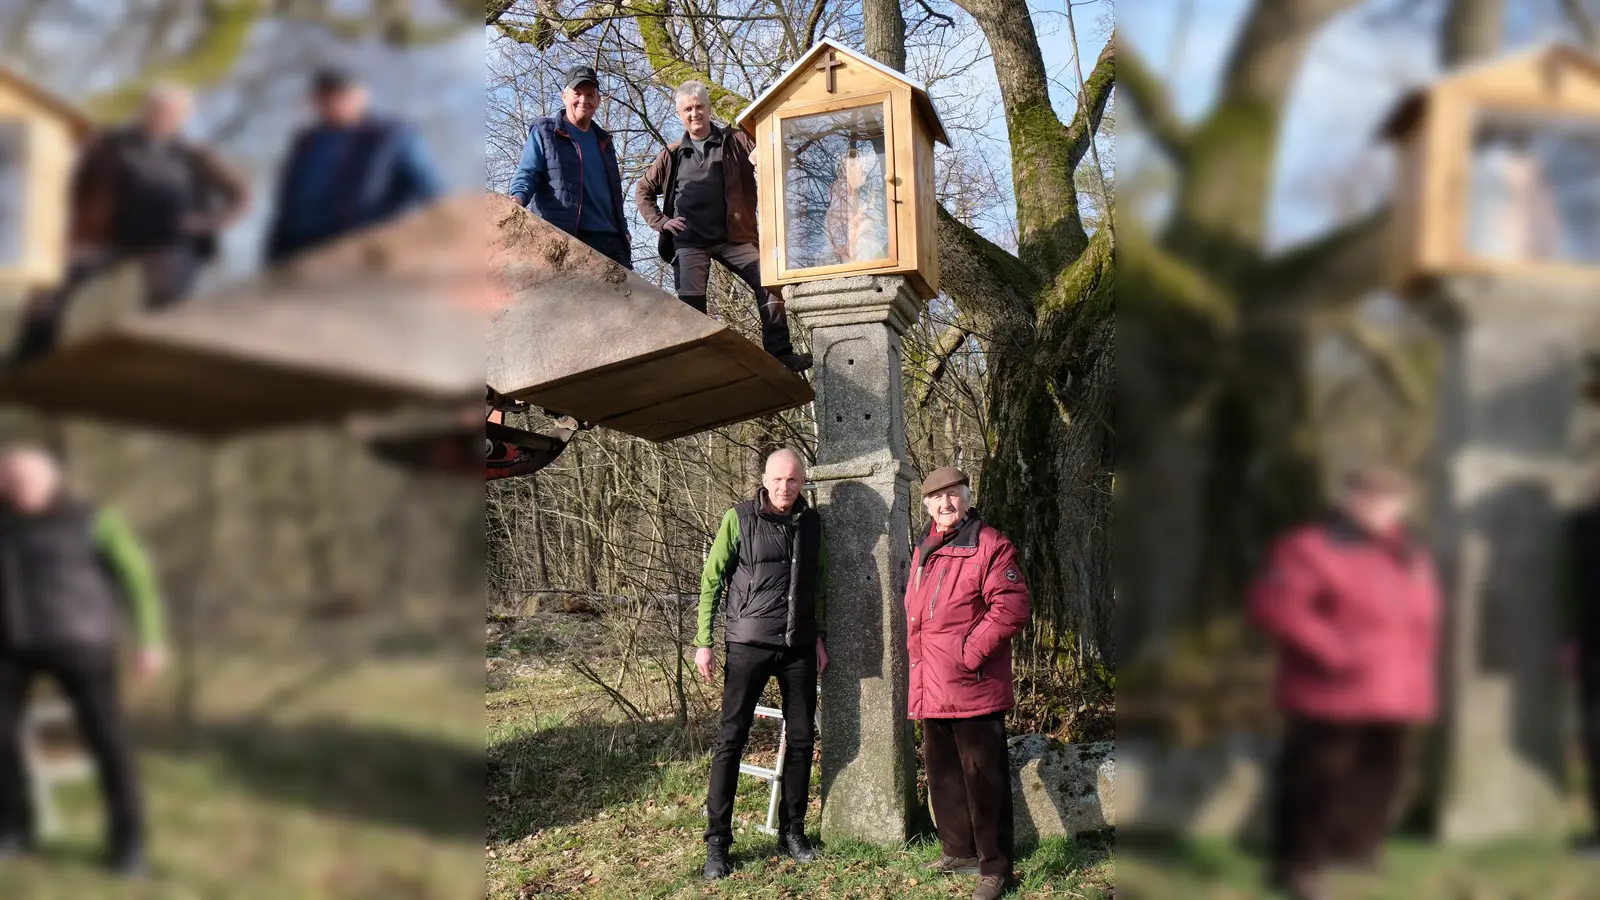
(969, 784)
(1335, 793)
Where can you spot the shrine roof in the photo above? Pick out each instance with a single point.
(801, 66)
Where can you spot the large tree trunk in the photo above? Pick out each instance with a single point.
(884, 32)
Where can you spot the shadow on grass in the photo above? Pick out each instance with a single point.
(568, 773)
(1057, 860)
(384, 775)
(1209, 862)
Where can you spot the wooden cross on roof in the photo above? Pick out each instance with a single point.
(826, 65)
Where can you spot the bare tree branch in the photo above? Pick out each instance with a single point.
(1153, 102)
(1338, 268)
(1050, 229)
(1092, 98)
(952, 340)
(935, 14)
(1584, 21)
(1390, 362)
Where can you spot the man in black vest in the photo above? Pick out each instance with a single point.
(66, 571)
(768, 562)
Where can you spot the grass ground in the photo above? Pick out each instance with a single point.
(582, 803)
(1414, 870)
(365, 785)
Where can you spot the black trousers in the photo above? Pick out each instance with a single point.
(611, 245)
(745, 673)
(969, 785)
(691, 269)
(88, 678)
(1336, 788)
(1589, 717)
(169, 277)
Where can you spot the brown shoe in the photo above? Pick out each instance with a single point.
(954, 865)
(1305, 887)
(990, 887)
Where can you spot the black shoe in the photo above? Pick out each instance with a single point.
(14, 846)
(128, 865)
(954, 865)
(794, 844)
(794, 362)
(717, 865)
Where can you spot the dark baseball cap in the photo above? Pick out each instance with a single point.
(579, 74)
(332, 78)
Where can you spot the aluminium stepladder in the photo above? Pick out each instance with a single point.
(774, 775)
(45, 770)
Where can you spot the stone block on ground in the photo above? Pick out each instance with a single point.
(1218, 790)
(1060, 789)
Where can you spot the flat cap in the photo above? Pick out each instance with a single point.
(1376, 478)
(942, 478)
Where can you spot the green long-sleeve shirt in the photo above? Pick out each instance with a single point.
(131, 566)
(724, 554)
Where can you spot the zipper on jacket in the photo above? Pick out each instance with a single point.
(578, 225)
(935, 598)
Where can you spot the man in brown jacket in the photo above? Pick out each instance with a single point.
(710, 186)
(140, 193)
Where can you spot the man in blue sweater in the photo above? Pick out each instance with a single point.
(348, 172)
(569, 171)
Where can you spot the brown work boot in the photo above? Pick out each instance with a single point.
(954, 865)
(991, 887)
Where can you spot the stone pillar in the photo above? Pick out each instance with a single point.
(863, 487)
(1506, 469)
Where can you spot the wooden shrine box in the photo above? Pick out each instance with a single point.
(1500, 171)
(844, 171)
(39, 140)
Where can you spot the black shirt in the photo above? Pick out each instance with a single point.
(701, 198)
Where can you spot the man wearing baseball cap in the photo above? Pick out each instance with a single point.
(965, 599)
(569, 172)
(348, 171)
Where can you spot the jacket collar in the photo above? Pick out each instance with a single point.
(717, 135)
(1342, 530)
(966, 531)
(600, 134)
(794, 511)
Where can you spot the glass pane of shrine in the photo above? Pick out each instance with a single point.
(1534, 189)
(835, 188)
(13, 191)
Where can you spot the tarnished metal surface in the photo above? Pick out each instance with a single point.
(572, 332)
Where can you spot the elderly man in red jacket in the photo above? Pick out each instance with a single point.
(965, 598)
(1354, 605)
